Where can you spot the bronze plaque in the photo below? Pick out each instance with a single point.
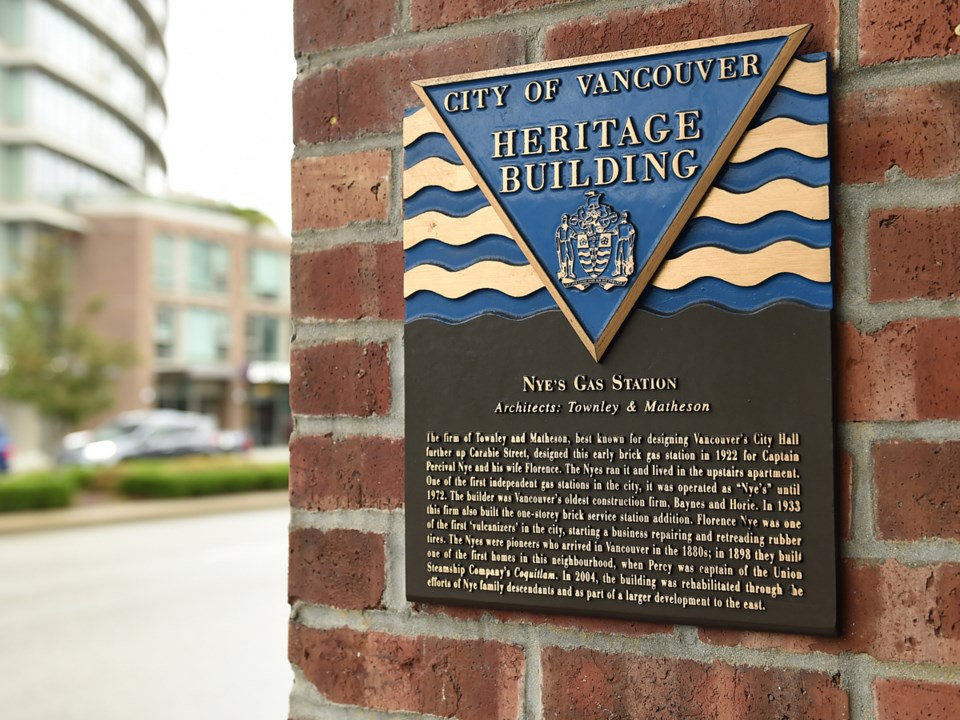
(617, 350)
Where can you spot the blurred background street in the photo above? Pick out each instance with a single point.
(180, 618)
(144, 365)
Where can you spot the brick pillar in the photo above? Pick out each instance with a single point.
(357, 645)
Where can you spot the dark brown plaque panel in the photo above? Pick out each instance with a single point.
(617, 350)
(632, 502)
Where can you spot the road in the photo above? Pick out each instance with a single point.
(173, 619)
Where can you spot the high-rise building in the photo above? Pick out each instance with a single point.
(81, 113)
(81, 108)
(198, 291)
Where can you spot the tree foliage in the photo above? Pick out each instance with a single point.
(54, 360)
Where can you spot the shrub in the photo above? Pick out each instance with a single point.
(158, 480)
(37, 491)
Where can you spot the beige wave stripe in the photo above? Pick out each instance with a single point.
(418, 124)
(436, 171)
(513, 280)
(785, 133)
(744, 270)
(809, 78)
(452, 230)
(737, 208)
(778, 195)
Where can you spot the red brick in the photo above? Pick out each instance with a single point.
(889, 611)
(330, 192)
(428, 14)
(342, 378)
(369, 94)
(325, 24)
(343, 568)
(353, 473)
(845, 475)
(468, 679)
(586, 684)
(576, 622)
(914, 253)
(903, 29)
(915, 700)
(624, 30)
(316, 107)
(912, 128)
(904, 371)
(349, 283)
(918, 490)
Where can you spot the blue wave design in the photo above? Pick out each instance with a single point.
(429, 145)
(784, 102)
(426, 304)
(706, 232)
(488, 247)
(773, 165)
(711, 291)
(455, 204)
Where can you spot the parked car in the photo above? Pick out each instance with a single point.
(143, 433)
(6, 448)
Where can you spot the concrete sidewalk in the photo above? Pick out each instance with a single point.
(119, 511)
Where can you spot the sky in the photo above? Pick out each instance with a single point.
(228, 135)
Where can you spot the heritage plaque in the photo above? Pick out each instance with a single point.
(618, 379)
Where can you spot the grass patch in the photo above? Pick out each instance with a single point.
(38, 491)
(173, 480)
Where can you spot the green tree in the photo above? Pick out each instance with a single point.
(53, 359)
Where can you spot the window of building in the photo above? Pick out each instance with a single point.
(55, 177)
(164, 264)
(206, 335)
(11, 250)
(263, 338)
(267, 273)
(165, 333)
(208, 267)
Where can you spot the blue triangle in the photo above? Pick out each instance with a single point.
(593, 178)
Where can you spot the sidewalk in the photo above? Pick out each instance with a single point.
(119, 511)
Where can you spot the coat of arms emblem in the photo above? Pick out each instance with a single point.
(595, 245)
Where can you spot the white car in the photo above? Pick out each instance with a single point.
(143, 433)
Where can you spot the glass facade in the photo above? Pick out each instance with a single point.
(268, 274)
(165, 333)
(67, 115)
(208, 267)
(54, 177)
(67, 44)
(11, 250)
(264, 341)
(206, 335)
(82, 78)
(164, 262)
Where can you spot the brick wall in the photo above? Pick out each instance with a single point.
(355, 642)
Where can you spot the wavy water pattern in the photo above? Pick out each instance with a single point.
(483, 302)
(748, 176)
(783, 102)
(707, 232)
(429, 146)
(488, 247)
(761, 236)
(711, 291)
(454, 204)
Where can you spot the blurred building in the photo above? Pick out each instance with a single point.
(203, 295)
(199, 291)
(81, 108)
(81, 113)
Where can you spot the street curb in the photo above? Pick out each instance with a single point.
(139, 510)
